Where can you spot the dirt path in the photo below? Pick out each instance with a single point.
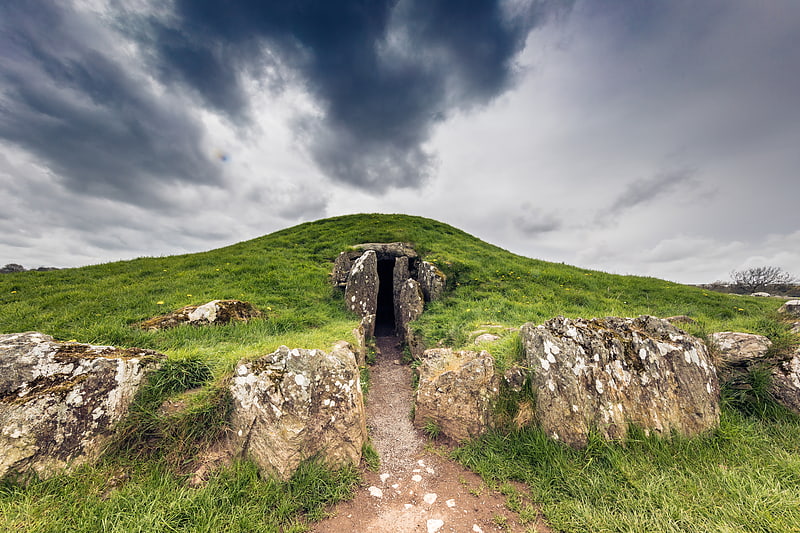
(416, 489)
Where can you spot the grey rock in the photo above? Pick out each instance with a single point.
(388, 250)
(761, 294)
(214, 312)
(791, 308)
(410, 305)
(680, 319)
(341, 268)
(457, 391)
(60, 402)
(361, 292)
(515, 378)
(795, 327)
(486, 337)
(292, 405)
(400, 274)
(785, 386)
(603, 374)
(432, 280)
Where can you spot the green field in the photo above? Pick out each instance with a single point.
(743, 477)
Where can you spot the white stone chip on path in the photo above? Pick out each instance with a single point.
(451, 503)
(395, 486)
(435, 525)
(429, 498)
(375, 492)
(430, 470)
(476, 528)
(416, 478)
(408, 506)
(384, 477)
(421, 462)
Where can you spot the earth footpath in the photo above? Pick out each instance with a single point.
(417, 488)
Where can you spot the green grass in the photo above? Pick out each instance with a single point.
(741, 478)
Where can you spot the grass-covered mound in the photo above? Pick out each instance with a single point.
(285, 275)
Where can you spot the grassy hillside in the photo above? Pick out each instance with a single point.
(285, 274)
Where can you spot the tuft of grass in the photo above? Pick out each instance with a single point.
(743, 476)
(432, 429)
(370, 456)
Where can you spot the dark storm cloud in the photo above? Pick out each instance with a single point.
(93, 122)
(382, 72)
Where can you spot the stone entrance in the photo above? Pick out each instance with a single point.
(387, 284)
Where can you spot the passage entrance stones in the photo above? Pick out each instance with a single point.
(387, 284)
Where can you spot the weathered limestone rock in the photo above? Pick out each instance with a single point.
(761, 294)
(292, 405)
(361, 293)
(59, 402)
(785, 387)
(432, 280)
(388, 250)
(211, 313)
(456, 392)
(795, 327)
(341, 268)
(740, 352)
(603, 374)
(791, 308)
(486, 337)
(680, 319)
(400, 274)
(410, 305)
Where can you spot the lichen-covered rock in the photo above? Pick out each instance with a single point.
(341, 267)
(292, 405)
(739, 352)
(761, 294)
(791, 308)
(486, 337)
(388, 250)
(431, 280)
(785, 386)
(211, 313)
(603, 374)
(456, 393)
(795, 327)
(400, 274)
(361, 292)
(60, 402)
(410, 305)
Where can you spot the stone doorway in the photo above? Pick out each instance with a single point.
(385, 322)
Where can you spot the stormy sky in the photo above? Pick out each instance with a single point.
(657, 138)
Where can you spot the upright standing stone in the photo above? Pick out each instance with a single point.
(432, 280)
(400, 274)
(603, 374)
(361, 293)
(410, 304)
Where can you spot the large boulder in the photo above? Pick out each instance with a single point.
(603, 374)
(292, 405)
(791, 308)
(457, 392)
(60, 402)
(785, 386)
(211, 313)
(431, 280)
(361, 292)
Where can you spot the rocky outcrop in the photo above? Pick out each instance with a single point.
(292, 405)
(431, 280)
(60, 402)
(603, 374)
(211, 313)
(456, 393)
(791, 308)
(361, 293)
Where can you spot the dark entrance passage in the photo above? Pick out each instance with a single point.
(384, 315)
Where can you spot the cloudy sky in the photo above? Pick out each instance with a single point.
(658, 138)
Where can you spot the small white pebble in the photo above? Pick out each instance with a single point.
(408, 506)
(375, 492)
(384, 477)
(450, 503)
(395, 486)
(476, 528)
(416, 478)
(421, 462)
(430, 470)
(417, 470)
(429, 498)
(435, 525)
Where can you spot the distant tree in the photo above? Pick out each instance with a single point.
(757, 279)
(12, 267)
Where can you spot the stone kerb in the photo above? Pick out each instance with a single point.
(60, 402)
(603, 374)
(295, 404)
